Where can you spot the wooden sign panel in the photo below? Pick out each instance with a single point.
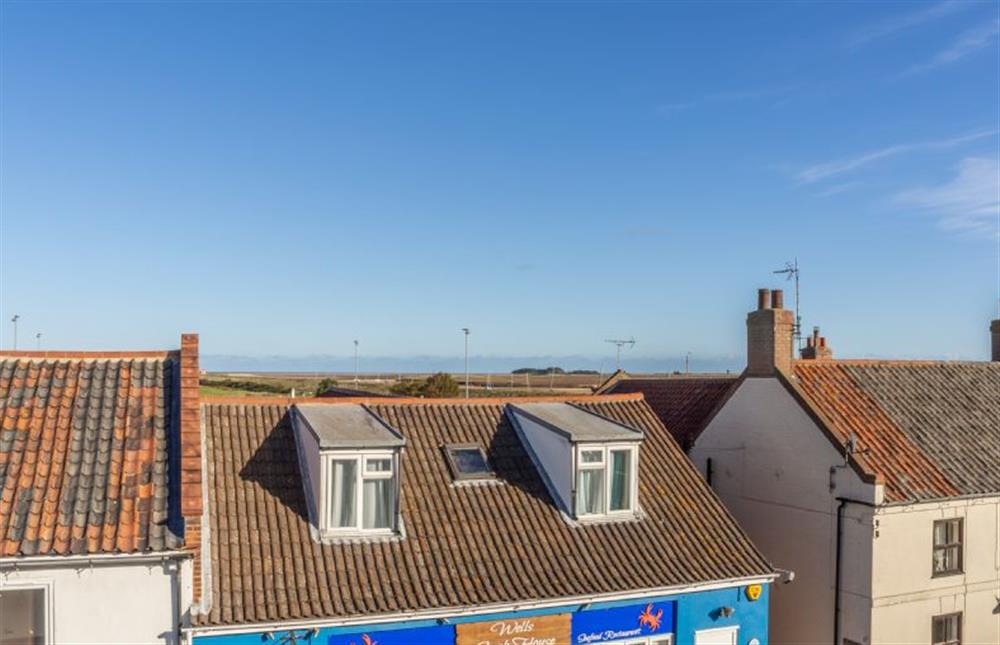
(536, 630)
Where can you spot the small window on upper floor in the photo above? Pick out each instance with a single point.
(948, 547)
(362, 492)
(605, 480)
(468, 462)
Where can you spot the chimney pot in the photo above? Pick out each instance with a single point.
(763, 299)
(777, 299)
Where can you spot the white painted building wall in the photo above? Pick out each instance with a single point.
(906, 594)
(771, 467)
(127, 601)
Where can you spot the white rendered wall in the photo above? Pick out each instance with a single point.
(771, 467)
(111, 603)
(907, 595)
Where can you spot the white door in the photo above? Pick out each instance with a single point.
(721, 636)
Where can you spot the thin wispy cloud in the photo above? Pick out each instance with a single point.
(828, 169)
(970, 202)
(904, 21)
(967, 43)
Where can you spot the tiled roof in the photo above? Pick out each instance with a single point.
(930, 429)
(683, 403)
(463, 545)
(83, 453)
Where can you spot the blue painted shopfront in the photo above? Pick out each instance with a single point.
(646, 620)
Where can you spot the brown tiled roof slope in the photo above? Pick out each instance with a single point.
(931, 429)
(463, 545)
(84, 454)
(682, 403)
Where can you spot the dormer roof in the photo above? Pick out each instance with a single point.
(575, 423)
(351, 426)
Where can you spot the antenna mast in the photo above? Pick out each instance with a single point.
(791, 272)
(619, 343)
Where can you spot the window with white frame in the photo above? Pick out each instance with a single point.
(362, 492)
(605, 480)
(23, 616)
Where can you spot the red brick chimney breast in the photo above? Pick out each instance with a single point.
(191, 470)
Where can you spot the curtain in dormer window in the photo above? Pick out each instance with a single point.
(377, 504)
(344, 493)
(590, 491)
(621, 485)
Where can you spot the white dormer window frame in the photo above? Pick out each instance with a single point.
(366, 473)
(595, 496)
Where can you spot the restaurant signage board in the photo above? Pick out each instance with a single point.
(533, 630)
(623, 623)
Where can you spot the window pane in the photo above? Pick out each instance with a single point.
(590, 491)
(621, 480)
(469, 461)
(939, 534)
(377, 504)
(947, 629)
(378, 465)
(591, 456)
(23, 617)
(343, 493)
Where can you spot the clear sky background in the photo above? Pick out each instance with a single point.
(285, 178)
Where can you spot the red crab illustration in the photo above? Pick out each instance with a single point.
(648, 619)
(367, 640)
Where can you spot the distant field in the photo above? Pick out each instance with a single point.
(281, 384)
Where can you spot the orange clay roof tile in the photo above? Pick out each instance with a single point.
(930, 429)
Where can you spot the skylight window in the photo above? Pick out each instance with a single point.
(468, 461)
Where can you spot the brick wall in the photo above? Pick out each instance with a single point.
(769, 335)
(191, 469)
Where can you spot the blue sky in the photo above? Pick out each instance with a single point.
(284, 178)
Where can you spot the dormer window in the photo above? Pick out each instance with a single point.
(588, 462)
(362, 492)
(604, 481)
(350, 460)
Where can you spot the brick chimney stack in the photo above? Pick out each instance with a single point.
(995, 333)
(190, 429)
(816, 347)
(769, 335)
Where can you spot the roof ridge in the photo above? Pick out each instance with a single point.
(818, 362)
(98, 354)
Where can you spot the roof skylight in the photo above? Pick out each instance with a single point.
(468, 461)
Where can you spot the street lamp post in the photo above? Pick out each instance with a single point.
(355, 362)
(465, 330)
(14, 320)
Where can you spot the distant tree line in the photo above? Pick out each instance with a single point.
(435, 386)
(539, 371)
(246, 386)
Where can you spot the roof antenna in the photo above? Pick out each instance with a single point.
(619, 343)
(791, 272)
